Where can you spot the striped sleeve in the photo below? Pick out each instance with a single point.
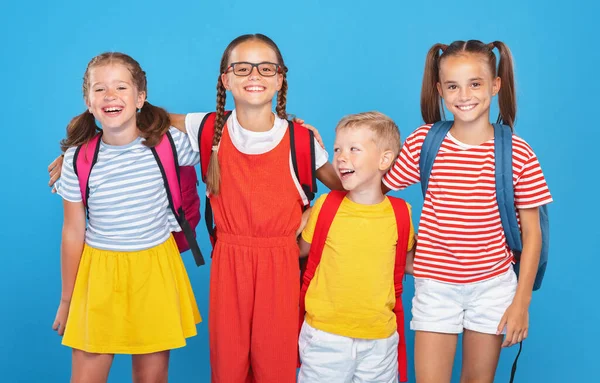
(68, 184)
(185, 153)
(531, 189)
(405, 171)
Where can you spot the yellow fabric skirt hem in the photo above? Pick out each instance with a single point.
(131, 302)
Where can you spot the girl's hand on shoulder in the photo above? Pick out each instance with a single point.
(54, 170)
(312, 129)
(61, 317)
(516, 321)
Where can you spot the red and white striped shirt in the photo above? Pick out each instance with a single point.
(460, 238)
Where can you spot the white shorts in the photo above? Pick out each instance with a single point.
(331, 358)
(449, 308)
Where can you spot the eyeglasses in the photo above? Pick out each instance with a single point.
(265, 68)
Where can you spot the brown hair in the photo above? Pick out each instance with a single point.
(213, 174)
(387, 134)
(432, 109)
(152, 121)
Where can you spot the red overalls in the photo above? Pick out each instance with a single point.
(254, 284)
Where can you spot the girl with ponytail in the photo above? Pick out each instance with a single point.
(464, 278)
(124, 286)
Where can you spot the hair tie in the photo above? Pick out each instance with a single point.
(215, 148)
(491, 46)
(443, 47)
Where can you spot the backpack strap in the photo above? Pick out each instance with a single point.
(403, 225)
(302, 145)
(429, 150)
(206, 133)
(83, 162)
(324, 220)
(165, 154)
(505, 195)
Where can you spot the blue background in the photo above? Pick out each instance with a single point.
(344, 57)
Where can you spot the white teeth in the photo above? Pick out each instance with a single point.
(255, 88)
(112, 109)
(346, 171)
(465, 107)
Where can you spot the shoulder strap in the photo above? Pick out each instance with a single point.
(165, 154)
(324, 220)
(505, 195)
(205, 139)
(429, 150)
(302, 145)
(403, 226)
(83, 162)
(206, 133)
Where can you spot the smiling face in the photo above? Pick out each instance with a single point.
(112, 96)
(467, 86)
(254, 89)
(358, 160)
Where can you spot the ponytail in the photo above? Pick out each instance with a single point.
(431, 104)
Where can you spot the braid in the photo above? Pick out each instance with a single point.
(282, 97)
(213, 174)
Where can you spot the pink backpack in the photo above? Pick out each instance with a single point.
(180, 184)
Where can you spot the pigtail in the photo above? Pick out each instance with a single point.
(282, 96)
(80, 130)
(153, 122)
(507, 99)
(431, 105)
(213, 174)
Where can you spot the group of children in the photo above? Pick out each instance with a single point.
(125, 289)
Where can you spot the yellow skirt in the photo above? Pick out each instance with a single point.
(136, 302)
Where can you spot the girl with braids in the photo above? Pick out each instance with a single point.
(124, 287)
(254, 286)
(464, 278)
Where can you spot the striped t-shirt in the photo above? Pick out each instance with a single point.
(460, 238)
(128, 205)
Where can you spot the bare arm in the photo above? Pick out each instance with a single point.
(328, 176)
(178, 121)
(516, 317)
(73, 237)
(410, 258)
(304, 248)
(54, 170)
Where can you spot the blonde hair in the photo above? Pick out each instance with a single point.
(387, 134)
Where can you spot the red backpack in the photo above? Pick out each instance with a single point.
(324, 220)
(180, 184)
(302, 145)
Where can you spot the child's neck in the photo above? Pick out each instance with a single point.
(120, 136)
(259, 119)
(473, 133)
(367, 196)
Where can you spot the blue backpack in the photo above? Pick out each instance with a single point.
(504, 189)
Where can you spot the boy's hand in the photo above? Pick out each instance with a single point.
(61, 317)
(516, 320)
(54, 169)
(312, 129)
(303, 221)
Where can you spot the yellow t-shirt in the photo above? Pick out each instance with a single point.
(352, 292)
